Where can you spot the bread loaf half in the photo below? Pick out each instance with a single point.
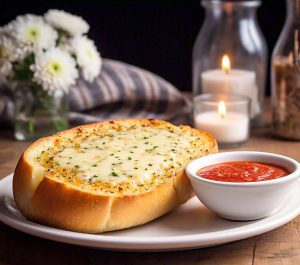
(108, 176)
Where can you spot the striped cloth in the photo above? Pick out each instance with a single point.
(120, 91)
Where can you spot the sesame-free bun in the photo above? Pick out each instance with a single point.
(55, 183)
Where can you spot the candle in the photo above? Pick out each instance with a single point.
(232, 81)
(228, 127)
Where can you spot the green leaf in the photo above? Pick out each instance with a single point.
(31, 127)
(60, 124)
(61, 34)
(22, 72)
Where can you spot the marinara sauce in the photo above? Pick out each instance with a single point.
(242, 171)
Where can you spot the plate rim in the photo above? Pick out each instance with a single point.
(169, 243)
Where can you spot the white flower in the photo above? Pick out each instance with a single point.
(19, 49)
(88, 58)
(54, 69)
(72, 24)
(6, 28)
(32, 33)
(7, 56)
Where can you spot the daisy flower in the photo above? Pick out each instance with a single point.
(54, 69)
(32, 33)
(72, 24)
(88, 58)
(5, 30)
(7, 56)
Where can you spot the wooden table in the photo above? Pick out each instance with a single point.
(280, 246)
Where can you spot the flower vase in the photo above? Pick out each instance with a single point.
(39, 112)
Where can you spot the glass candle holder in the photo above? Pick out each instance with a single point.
(230, 53)
(226, 117)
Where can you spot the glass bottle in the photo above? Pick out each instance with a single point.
(231, 28)
(286, 77)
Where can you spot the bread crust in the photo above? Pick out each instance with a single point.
(48, 201)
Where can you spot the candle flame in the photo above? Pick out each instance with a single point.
(226, 63)
(222, 109)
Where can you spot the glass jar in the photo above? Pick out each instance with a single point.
(37, 112)
(286, 77)
(230, 28)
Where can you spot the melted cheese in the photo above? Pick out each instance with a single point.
(131, 159)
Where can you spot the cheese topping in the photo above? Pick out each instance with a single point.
(121, 161)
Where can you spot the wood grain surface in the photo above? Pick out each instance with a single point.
(280, 246)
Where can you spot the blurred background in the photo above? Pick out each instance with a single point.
(156, 36)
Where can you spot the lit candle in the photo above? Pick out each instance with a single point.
(227, 127)
(232, 81)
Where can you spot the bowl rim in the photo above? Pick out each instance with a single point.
(293, 175)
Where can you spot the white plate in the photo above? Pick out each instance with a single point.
(190, 226)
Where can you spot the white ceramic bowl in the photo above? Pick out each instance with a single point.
(244, 200)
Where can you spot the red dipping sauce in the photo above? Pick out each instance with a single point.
(242, 171)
